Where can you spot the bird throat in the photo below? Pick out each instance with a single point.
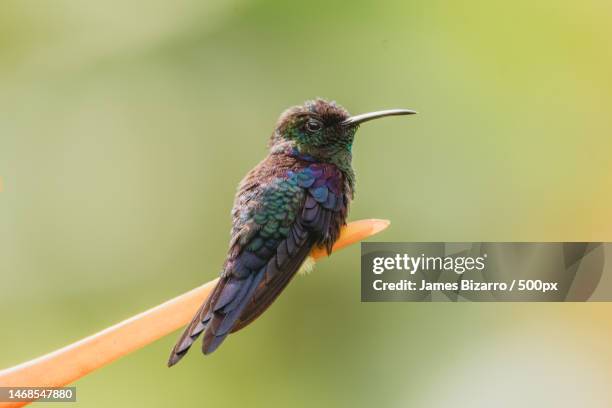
(340, 157)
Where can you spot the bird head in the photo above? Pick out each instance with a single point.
(321, 129)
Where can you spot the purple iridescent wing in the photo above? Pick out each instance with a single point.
(276, 224)
(318, 223)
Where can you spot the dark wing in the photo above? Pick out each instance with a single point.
(273, 234)
(323, 214)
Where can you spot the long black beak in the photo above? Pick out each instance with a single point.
(364, 117)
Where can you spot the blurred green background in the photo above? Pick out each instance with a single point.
(126, 126)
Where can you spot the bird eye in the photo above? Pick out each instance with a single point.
(313, 125)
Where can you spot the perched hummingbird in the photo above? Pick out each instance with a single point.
(297, 198)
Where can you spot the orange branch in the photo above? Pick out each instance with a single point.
(76, 360)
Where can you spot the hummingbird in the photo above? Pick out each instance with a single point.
(294, 200)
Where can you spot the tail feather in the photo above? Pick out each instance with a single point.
(189, 336)
(218, 315)
(224, 319)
